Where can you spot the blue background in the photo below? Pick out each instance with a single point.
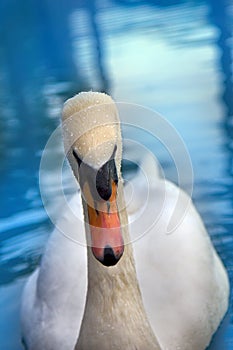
(172, 56)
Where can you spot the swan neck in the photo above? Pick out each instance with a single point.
(114, 316)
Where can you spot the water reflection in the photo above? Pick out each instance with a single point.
(48, 52)
(221, 17)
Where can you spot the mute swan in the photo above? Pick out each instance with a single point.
(81, 301)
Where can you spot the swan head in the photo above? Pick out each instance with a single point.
(93, 145)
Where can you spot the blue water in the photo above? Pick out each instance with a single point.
(172, 56)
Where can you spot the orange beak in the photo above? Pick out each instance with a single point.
(105, 228)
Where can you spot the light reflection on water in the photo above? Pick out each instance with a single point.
(175, 59)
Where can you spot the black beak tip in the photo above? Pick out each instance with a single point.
(110, 259)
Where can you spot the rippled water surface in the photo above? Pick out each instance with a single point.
(172, 56)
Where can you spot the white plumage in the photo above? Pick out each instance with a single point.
(183, 283)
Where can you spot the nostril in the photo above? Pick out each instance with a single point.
(109, 257)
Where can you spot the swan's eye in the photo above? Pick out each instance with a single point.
(77, 158)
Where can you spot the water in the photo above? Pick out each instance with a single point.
(172, 56)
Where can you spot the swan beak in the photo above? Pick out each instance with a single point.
(105, 229)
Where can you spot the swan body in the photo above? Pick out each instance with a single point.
(183, 283)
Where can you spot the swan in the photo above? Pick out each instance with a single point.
(161, 292)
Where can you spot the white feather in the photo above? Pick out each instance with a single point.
(183, 282)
